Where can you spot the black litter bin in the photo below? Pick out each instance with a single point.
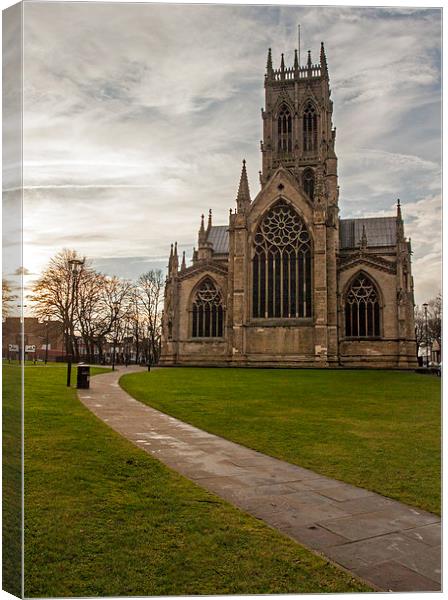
(83, 379)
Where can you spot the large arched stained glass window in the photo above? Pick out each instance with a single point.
(362, 309)
(207, 311)
(282, 266)
(284, 129)
(309, 129)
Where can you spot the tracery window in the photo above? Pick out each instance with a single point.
(282, 265)
(207, 311)
(362, 309)
(284, 129)
(309, 129)
(308, 182)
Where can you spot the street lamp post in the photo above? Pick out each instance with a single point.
(75, 266)
(425, 307)
(116, 307)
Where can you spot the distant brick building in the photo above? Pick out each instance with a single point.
(35, 336)
(287, 282)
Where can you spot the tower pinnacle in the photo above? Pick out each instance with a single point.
(243, 197)
(202, 235)
(209, 224)
(363, 241)
(323, 61)
(269, 69)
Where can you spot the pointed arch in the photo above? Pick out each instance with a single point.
(282, 265)
(207, 310)
(309, 127)
(362, 307)
(284, 129)
(308, 182)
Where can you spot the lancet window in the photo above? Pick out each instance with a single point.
(282, 266)
(310, 129)
(362, 309)
(284, 129)
(308, 182)
(207, 311)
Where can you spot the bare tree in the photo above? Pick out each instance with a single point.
(114, 311)
(428, 327)
(435, 318)
(100, 309)
(135, 326)
(55, 292)
(89, 302)
(7, 298)
(150, 288)
(420, 333)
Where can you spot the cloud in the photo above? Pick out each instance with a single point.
(137, 117)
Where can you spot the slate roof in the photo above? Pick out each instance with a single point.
(219, 237)
(380, 231)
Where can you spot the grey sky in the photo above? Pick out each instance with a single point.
(137, 118)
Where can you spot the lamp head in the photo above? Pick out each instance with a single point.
(75, 265)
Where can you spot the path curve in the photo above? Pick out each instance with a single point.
(390, 545)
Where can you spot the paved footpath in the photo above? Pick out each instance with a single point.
(392, 546)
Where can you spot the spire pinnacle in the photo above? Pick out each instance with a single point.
(400, 228)
(174, 260)
(323, 60)
(209, 224)
(296, 61)
(309, 59)
(202, 234)
(184, 264)
(269, 68)
(282, 62)
(243, 197)
(363, 243)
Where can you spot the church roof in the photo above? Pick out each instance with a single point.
(380, 231)
(218, 236)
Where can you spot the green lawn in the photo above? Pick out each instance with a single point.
(12, 478)
(376, 429)
(105, 518)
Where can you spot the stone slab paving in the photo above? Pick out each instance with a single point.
(391, 546)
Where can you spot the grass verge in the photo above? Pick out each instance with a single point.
(104, 518)
(376, 429)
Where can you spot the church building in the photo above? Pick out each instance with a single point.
(286, 282)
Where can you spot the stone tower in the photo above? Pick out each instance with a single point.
(298, 135)
(297, 126)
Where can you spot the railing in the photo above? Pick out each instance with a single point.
(301, 73)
